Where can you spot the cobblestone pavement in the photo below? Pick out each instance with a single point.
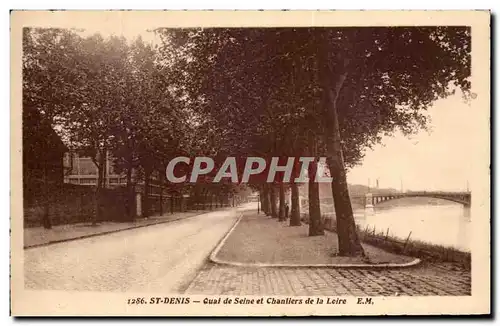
(162, 257)
(425, 279)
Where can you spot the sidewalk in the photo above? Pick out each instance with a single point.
(261, 240)
(258, 244)
(38, 236)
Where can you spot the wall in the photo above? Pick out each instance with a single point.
(70, 204)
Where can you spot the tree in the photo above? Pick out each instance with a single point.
(396, 69)
(91, 123)
(149, 135)
(54, 82)
(355, 85)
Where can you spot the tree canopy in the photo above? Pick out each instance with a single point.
(331, 92)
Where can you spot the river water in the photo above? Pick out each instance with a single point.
(444, 223)
(430, 220)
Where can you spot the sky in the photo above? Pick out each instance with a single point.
(438, 159)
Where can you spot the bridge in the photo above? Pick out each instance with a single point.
(370, 200)
(463, 198)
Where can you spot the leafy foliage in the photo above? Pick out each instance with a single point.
(241, 91)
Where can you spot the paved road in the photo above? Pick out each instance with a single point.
(162, 258)
(426, 279)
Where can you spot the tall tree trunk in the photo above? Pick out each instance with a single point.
(145, 200)
(101, 169)
(262, 199)
(130, 209)
(194, 198)
(259, 202)
(274, 210)
(269, 201)
(96, 216)
(46, 221)
(265, 199)
(295, 209)
(281, 212)
(315, 224)
(201, 199)
(349, 243)
(161, 193)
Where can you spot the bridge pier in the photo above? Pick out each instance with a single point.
(466, 211)
(369, 208)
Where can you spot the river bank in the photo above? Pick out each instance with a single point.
(405, 246)
(415, 248)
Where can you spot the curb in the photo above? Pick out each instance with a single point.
(106, 232)
(215, 260)
(214, 253)
(221, 243)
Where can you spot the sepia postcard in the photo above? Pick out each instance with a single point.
(250, 163)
